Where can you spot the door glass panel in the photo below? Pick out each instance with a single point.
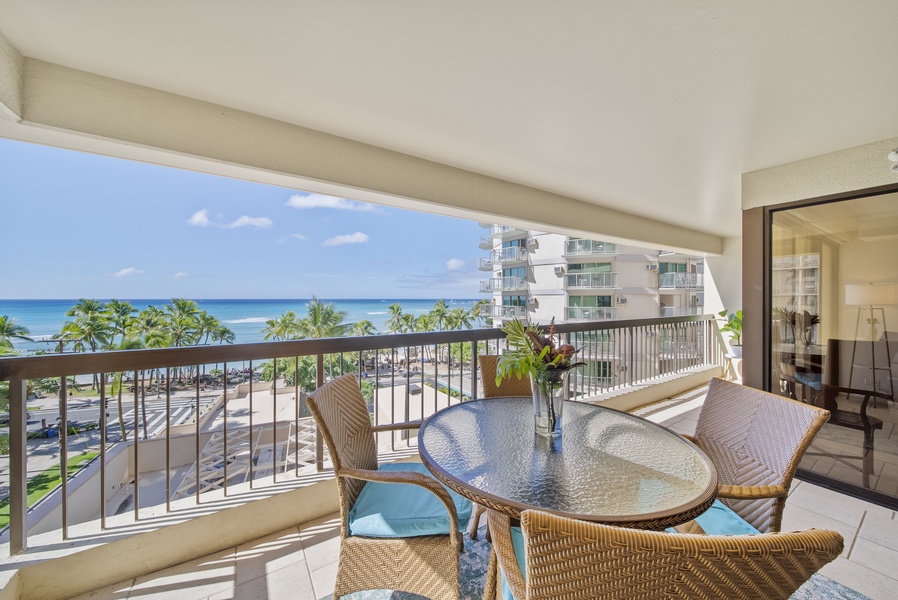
(834, 333)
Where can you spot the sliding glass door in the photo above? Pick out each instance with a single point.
(833, 298)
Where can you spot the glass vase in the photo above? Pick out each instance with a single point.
(549, 389)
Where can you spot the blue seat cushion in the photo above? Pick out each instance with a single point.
(812, 380)
(403, 509)
(721, 520)
(517, 542)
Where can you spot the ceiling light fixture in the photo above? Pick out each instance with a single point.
(893, 156)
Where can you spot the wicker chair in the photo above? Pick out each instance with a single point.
(755, 440)
(511, 387)
(570, 559)
(425, 564)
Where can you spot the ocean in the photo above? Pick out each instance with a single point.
(246, 318)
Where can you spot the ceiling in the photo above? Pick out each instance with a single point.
(655, 108)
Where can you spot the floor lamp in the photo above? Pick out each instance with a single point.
(872, 298)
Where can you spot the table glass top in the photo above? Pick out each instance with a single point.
(605, 464)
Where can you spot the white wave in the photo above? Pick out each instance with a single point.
(42, 338)
(383, 312)
(247, 320)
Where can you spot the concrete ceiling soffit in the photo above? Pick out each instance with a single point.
(75, 109)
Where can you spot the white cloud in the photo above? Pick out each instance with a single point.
(127, 271)
(455, 264)
(322, 201)
(246, 221)
(353, 238)
(200, 218)
(293, 236)
(181, 274)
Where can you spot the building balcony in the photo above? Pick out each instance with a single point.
(681, 311)
(504, 284)
(575, 248)
(504, 232)
(590, 281)
(577, 314)
(486, 242)
(257, 514)
(681, 281)
(503, 311)
(503, 255)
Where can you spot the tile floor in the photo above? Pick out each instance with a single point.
(300, 563)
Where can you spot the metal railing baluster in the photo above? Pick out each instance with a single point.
(18, 467)
(63, 454)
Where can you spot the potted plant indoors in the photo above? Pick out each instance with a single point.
(733, 326)
(534, 355)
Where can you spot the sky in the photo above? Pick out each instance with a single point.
(80, 225)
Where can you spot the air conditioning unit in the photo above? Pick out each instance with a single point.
(651, 267)
(621, 300)
(559, 270)
(532, 243)
(624, 367)
(532, 302)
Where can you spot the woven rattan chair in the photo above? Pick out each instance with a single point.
(510, 387)
(570, 559)
(755, 440)
(425, 564)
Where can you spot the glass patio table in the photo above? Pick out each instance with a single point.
(606, 467)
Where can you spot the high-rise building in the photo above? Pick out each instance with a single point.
(537, 276)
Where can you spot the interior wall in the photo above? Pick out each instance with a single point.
(866, 262)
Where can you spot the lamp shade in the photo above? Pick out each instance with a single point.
(871, 294)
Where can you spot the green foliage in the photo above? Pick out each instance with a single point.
(42, 484)
(530, 352)
(732, 325)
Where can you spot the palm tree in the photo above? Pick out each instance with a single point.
(425, 322)
(440, 313)
(285, 327)
(394, 323)
(323, 321)
(459, 318)
(477, 312)
(10, 330)
(90, 328)
(223, 335)
(363, 328)
(120, 315)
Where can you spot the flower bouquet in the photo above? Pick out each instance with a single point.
(532, 354)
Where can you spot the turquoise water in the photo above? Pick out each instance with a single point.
(246, 318)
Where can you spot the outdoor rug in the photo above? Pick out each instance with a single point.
(476, 554)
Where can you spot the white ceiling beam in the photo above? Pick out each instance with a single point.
(75, 109)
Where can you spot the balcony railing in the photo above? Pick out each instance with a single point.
(504, 284)
(503, 231)
(503, 311)
(583, 281)
(681, 280)
(588, 248)
(228, 419)
(681, 311)
(576, 314)
(511, 254)
(486, 242)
